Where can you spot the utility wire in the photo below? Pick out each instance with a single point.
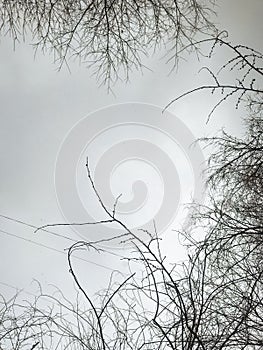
(51, 232)
(16, 288)
(53, 249)
(35, 227)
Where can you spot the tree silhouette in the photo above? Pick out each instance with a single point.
(211, 301)
(245, 63)
(110, 36)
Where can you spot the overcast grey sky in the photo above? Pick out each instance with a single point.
(39, 106)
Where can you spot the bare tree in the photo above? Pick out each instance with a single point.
(110, 36)
(214, 300)
(211, 301)
(244, 84)
(234, 229)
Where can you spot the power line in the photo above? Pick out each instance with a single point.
(50, 232)
(53, 249)
(35, 227)
(16, 288)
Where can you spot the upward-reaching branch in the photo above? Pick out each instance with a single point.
(246, 62)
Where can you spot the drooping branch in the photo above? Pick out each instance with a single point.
(109, 36)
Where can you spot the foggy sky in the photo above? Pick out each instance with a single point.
(38, 108)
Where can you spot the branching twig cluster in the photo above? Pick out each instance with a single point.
(211, 301)
(246, 63)
(108, 35)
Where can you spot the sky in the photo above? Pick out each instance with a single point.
(50, 122)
